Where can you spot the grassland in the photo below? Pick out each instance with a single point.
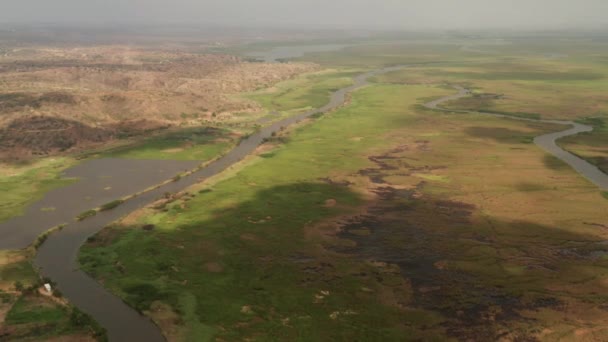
(305, 92)
(200, 143)
(550, 89)
(375, 222)
(21, 185)
(391, 53)
(527, 80)
(592, 146)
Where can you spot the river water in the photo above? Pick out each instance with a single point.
(99, 181)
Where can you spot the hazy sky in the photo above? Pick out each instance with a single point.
(441, 14)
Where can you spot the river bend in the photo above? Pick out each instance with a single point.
(547, 142)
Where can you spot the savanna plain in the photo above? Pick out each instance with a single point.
(381, 220)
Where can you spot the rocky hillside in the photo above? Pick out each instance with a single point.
(42, 135)
(57, 98)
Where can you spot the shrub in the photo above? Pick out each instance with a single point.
(140, 296)
(81, 319)
(40, 240)
(111, 205)
(19, 286)
(5, 297)
(148, 227)
(86, 214)
(595, 122)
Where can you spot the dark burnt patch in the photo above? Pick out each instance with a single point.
(104, 238)
(45, 135)
(384, 163)
(381, 163)
(373, 175)
(426, 169)
(391, 232)
(148, 227)
(593, 224)
(42, 135)
(457, 212)
(318, 272)
(389, 193)
(330, 181)
(10, 102)
(423, 145)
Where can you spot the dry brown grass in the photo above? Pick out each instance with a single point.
(114, 83)
(106, 90)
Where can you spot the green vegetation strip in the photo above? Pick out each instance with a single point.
(42, 238)
(86, 214)
(26, 184)
(198, 143)
(111, 205)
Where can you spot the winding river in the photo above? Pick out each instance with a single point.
(57, 257)
(547, 142)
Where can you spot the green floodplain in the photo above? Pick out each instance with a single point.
(382, 220)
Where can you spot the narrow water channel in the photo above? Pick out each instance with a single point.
(547, 142)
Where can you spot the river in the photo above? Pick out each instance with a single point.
(547, 142)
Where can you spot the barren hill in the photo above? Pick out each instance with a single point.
(95, 88)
